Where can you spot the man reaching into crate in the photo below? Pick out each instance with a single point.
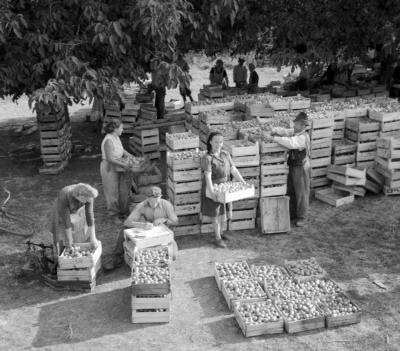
(297, 141)
(151, 212)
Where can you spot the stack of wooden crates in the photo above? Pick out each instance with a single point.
(145, 143)
(80, 271)
(184, 181)
(55, 140)
(246, 157)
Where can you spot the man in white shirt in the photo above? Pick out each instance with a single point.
(297, 141)
(151, 212)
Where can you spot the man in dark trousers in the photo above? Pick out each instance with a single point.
(253, 80)
(159, 87)
(297, 141)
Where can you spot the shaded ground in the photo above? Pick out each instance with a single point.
(356, 244)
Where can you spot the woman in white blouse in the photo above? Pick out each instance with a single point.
(115, 178)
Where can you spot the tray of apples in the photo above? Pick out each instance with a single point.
(300, 314)
(230, 271)
(339, 310)
(241, 289)
(82, 255)
(258, 317)
(153, 255)
(269, 273)
(151, 279)
(232, 191)
(305, 269)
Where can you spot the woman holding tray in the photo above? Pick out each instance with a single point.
(114, 172)
(72, 212)
(217, 166)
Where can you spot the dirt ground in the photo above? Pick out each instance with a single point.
(356, 244)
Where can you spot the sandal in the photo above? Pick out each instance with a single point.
(220, 243)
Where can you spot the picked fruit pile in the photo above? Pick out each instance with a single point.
(243, 289)
(338, 305)
(252, 123)
(306, 268)
(295, 310)
(231, 271)
(182, 136)
(77, 251)
(186, 155)
(152, 256)
(151, 275)
(212, 113)
(255, 313)
(269, 273)
(230, 187)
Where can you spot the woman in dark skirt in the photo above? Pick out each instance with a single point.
(217, 166)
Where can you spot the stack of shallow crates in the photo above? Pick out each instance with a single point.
(55, 140)
(145, 143)
(184, 180)
(321, 132)
(246, 157)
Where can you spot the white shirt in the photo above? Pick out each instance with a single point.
(117, 148)
(291, 140)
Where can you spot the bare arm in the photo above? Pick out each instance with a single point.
(236, 174)
(108, 148)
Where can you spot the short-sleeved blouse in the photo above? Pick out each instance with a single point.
(220, 167)
(117, 148)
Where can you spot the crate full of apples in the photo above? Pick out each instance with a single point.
(258, 317)
(179, 141)
(241, 289)
(231, 191)
(151, 279)
(228, 271)
(82, 255)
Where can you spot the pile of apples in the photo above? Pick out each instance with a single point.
(338, 305)
(151, 275)
(295, 310)
(77, 251)
(152, 256)
(269, 273)
(231, 271)
(187, 155)
(256, 313)
(319, 289)
(252, 123)
(212, 113)
(243, 289)
(182, 136)
(230, 187)
(306, 268)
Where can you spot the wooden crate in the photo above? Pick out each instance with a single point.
(145, 137)
(153, 177)
(334, 197)
(191, 197)
(320, 162)
(53, 125)
(182, 165)
(258, 110)
(236, 196)
(300, 104)
(230, 301)
(346, 175)
(390, 164)
(184, 230)
(144, 309)
(80, 262)
(159, 235)
(149, 289)
(275, 216)
(356, 112)
(87, 274)
(266, 328)
(219, 280)
(359, 130)
(322, 143)
(304, 324)
(242, 224)
(352, 190)
(389, 121)
(192, 142)
(318, 153)
(279, 105)
(249, 172)
(388, 191)
(181, 187)
(273, 190)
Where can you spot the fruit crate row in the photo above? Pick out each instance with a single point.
(261, 297)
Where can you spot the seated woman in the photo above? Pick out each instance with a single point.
(73, 200)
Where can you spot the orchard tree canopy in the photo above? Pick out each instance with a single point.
(78, 49)
(58, 51)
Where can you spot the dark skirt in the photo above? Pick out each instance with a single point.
(209, 207)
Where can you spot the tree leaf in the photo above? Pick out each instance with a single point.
(117, 28)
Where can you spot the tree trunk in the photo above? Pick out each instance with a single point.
(55, 138)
